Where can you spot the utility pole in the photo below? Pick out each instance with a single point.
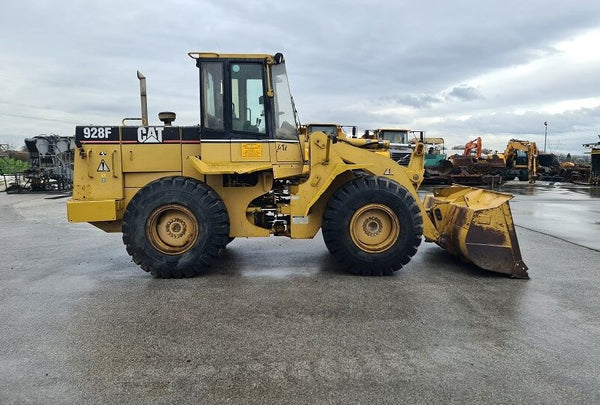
(545, 134)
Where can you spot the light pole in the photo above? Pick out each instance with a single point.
(545, 134)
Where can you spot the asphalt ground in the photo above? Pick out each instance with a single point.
(277, 321)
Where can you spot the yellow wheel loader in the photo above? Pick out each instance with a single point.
(180, 194)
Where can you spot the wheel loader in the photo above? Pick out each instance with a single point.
(180, 194)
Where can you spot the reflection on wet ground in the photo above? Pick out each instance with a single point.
(550, 189)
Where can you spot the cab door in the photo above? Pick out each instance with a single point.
(249, 137)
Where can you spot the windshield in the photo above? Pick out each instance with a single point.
(327, 129)
(395, 136)
(285, 120)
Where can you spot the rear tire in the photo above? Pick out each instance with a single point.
(373, 226)
(523, 175)
(175, 227)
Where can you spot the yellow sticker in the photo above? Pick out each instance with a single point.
(251, 150)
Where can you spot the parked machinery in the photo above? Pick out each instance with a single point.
(473, 148)
(181, 194)
(435, 151)
(521, 160)
(399, 142)
(594, 177)
(51, 163)
(473, 168)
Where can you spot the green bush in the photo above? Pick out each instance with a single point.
(11, 166)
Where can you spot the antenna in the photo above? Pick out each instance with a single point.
(545, 134)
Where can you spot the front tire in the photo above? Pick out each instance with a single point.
(175, 227)
(373, 226)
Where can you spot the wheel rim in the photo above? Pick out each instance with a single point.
(374, 228)
(172, 229)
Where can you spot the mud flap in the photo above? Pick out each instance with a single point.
(477, 226)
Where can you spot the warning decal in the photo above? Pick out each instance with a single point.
(251, 150)
(103, 167)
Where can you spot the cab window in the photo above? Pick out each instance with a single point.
(395, 136)
(247, 98)
(212, 96)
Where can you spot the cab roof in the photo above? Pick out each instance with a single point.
(271, 59)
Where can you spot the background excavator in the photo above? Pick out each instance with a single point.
(473, 148)
(180, 194)
(520, 158)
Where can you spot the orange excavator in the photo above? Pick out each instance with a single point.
(474, 145)
(471, 153)
(473, 168)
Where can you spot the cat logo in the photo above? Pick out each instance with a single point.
(103, 167)
(150, 135)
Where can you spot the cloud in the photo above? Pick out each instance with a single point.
(410, 100)
(450, 68)
(465, 93)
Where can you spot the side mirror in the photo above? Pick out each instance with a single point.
(279, 58)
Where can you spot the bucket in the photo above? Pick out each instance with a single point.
(477, 226)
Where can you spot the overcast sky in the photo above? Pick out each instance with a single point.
(455, 69)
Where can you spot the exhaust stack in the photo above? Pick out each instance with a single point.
(143, 97)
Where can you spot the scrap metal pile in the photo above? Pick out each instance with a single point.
(50, 165)
(521, 160)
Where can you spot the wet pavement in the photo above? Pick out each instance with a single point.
(565, 211)
(276, 321)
